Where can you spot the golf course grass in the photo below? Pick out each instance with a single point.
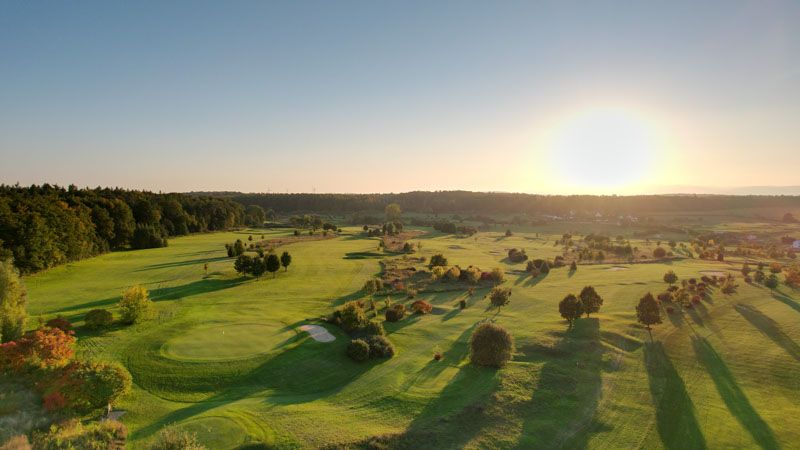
(224, 356)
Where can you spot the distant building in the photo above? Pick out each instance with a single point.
(796, 245)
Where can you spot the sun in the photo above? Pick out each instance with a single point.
(603, 150)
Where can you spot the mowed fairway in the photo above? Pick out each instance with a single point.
(224, 356)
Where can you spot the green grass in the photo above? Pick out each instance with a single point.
(724, 375)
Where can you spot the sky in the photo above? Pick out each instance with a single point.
(319, 96)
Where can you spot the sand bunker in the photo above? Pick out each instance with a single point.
(615, 268)
(318, 333)
(714, 273)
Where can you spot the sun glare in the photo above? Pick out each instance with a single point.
(603, 150)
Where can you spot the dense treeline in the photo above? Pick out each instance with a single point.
(43, 226)
(450, 202)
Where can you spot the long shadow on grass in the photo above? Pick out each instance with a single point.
(788, 301)
(201, 286)
(675, 412)
(561, 412)
(735, 399)
(182, 263)
(769, 327)
(303, 373)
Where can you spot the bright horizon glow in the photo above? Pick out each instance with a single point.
(538, 97)
(603, 149)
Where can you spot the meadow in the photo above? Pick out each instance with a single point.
(224, 356)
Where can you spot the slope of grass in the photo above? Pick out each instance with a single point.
(723, 375)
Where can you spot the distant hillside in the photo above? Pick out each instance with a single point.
(506, 203)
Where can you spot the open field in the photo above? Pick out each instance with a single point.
(225, 357)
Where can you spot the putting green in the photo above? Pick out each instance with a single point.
(227, 341)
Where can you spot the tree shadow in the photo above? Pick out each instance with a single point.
(453, 418)
(675, 413)
(733, 396)
(770, 328)
(570, 381)
(201, 286)
(282, 378)
(182, 263)
(786, 300)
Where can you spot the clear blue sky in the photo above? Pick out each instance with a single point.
(393, 96)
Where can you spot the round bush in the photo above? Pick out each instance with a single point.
(97, 319)
(380, 347)
(491, 345)
(358, 350)
(421, 307)
(375, 328)
(61, 323)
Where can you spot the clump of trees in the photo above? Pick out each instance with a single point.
(257, 266)
(351, 316)
(235, 249)
(491, 345)
(373, 285)
(421, 307)
(670, 277)
(538, 267)
(395, 313)
(44, 226)
(44, 357)
(452, 228)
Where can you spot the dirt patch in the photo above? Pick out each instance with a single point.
(616, 268)
(271, 244)
(456, 247)
(318, 333)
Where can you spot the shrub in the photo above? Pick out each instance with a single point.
(453, 273)
(135, 305)
(358, 350)
(771, 281)
(380, 347)
(539, 265)
(665, 297)
(395, 313)
(491, 345)
(351, 316)
(670, 309)
(61, 323)
(438, 260)
(696, 299)
(775, 268)
(437, 356)
(517, 256)
(573, 267)
(471, 275)
(759, 276)
(421, 307)
(498, 275)
(462, 304)
(75, 435)
(91, 385)
(659, 252)
(670, 277)
(97, 319)
(373, 285)
(437, 272)
(375, 328)
(172, 438)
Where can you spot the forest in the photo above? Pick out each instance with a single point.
(44, 226)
